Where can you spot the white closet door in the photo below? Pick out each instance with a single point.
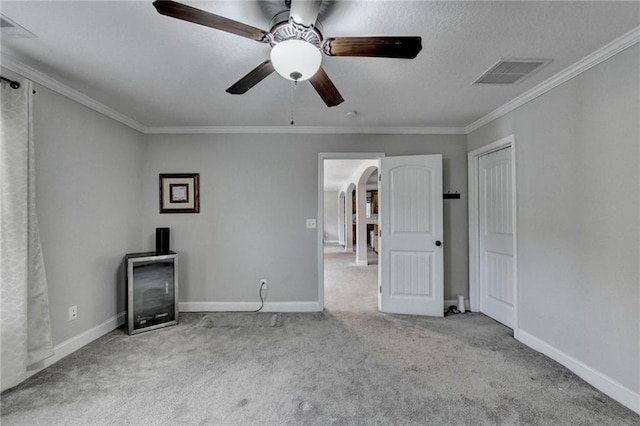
(496, 236)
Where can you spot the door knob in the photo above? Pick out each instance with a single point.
(438, 243)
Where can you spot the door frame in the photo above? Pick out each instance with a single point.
(473, 158)
(320, 222)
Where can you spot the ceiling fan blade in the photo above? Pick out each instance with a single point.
(381, 47)
(305, 12)
(254, 77)
(325, 88)
(201, 17)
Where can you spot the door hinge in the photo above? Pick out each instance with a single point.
(380, 289)
(379, 178)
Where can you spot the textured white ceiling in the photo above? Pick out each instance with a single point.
(164, 72)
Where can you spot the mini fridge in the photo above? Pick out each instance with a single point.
(152, 291)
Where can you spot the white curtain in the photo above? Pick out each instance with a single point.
(25, 326)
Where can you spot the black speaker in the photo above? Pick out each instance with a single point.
(162, 241)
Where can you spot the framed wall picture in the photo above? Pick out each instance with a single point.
(180, 193)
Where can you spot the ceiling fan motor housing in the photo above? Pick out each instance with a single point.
(282, 28)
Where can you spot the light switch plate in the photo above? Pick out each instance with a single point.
(311, 224)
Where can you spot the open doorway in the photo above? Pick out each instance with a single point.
(348, 225)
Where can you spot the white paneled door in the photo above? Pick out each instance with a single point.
(411, 252)
(496, 236)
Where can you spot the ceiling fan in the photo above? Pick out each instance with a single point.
(297, 44)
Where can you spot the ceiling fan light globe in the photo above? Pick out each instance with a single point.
(293, 58)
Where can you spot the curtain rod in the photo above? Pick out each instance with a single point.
(13, 84)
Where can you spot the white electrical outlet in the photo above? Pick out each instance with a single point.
(311, 224)
(73, 313)
(263, 284)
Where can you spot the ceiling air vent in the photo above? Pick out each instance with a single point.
(11, 29)
(511, 71)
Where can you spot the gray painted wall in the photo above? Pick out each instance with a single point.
(88, 184)
(331, 212)
(577, 150)
(257, 191)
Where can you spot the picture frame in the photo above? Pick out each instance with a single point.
(180, 193)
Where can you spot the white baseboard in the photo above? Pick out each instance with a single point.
(595, 378)
(362, 262)
(250, 306)
(76, 342)
(331, 242)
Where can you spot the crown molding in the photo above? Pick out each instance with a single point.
(588, 62)
(305, 130)
(36, 76)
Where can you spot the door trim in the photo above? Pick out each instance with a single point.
(320, 222)
(473, 159)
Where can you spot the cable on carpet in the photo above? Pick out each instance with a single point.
(453, 310)
(261, 299)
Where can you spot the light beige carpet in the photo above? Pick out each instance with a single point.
(349, 365)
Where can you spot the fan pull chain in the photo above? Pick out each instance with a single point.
(293, 89)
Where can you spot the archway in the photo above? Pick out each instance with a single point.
(341, 218)
(349, 211)
(361, 217)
